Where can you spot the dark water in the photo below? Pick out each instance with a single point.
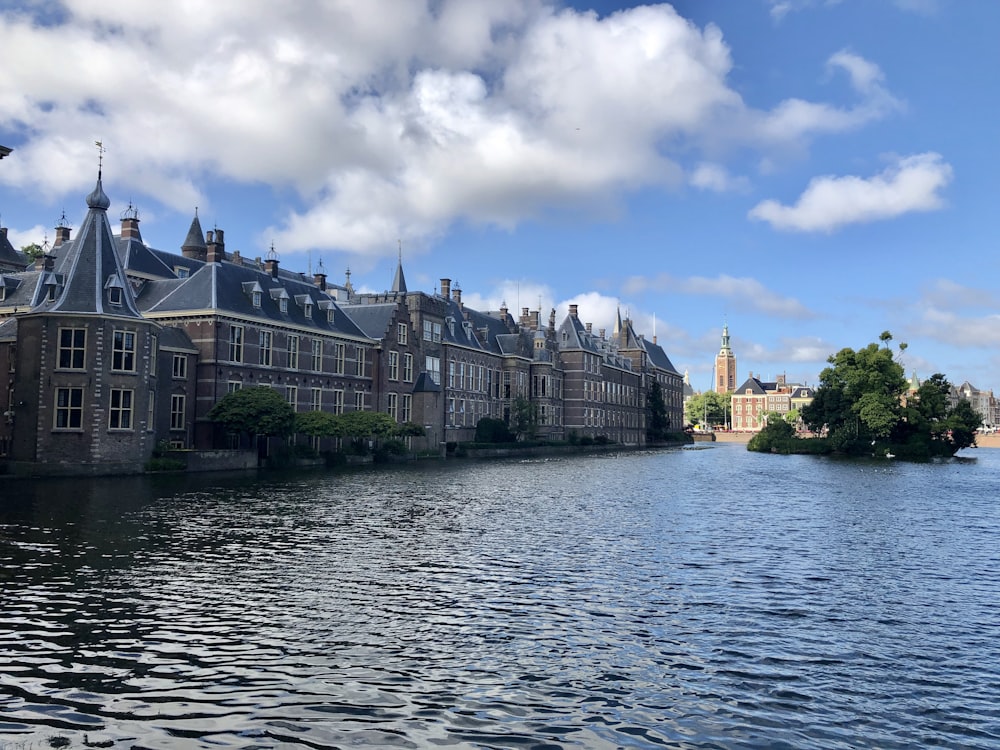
(688, 599)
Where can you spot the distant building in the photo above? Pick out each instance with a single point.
(983, 402)
(725, 366)
(755, 398)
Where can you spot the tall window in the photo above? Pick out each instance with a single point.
(401, 333)
(359, 400)
(151, 411)
(69, 408)
(408, 367)
(338, 359)
(360, 363)
(292, 396)
(338, 402)
(317, 355)
(427, 330)
(177, 409)
(266, 347)
(123, 351)
(154, 352)
(235, 343)
(433, 367)
(407, 412)
(120, 411)
(451, 374)
(293, 352)
(180, 366)
(393, 409)
(72, 346)
(393, 365)
(233, 385)
(316, 399)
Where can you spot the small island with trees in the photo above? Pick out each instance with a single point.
(862, 407)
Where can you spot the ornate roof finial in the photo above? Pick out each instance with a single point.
(400, 243)
(131, 212)
(271, 254)
(320, 268)
(100, 157)
(62, 221)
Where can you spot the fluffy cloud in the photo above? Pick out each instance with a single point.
(715, 177)
(739, 293)
(910, 184)
(381, 119)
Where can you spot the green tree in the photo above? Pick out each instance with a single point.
(523, 418)
(33, 251)
(708, 408)
(490, 430)
(317, 424)
(858, 399)
(254, 411)
(962, 422)
(658, 421)
(775, 436)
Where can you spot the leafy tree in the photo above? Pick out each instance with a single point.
(710, 407)
(360, 424)
(858, 398)
(254, 411)
(317, 424)
(962, 422)
(33, 251)
(523, 418)
(775, 436)
(658, 421)
(490, 430)
(792, 416)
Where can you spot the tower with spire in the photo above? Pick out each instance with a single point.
(725, 366)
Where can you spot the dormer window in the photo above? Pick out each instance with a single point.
(115, 296)
(329, 315)
(283, 304)
(51, 293)
(307, 308)
(256, 299)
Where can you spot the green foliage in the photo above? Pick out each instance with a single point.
(858, 399)
(523, 418)
(777, 437)
(708, 408)
(489, 430)
(254, 411)
(962, 422)
(160, 463)
(33, 251)
(658, 421)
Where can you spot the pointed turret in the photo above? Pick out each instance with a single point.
(194, 244)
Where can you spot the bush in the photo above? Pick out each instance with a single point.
(489, 430)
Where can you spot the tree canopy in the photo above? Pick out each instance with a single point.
(254, 411)
(658, 422)
(709, 408)
(353, 424)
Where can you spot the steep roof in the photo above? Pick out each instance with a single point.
(86, 274)
(11, 259)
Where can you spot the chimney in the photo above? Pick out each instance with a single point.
(573, 311)
(130, 228)
(62, 235)
(446, 288)
(601, 332)
(456, 294)
(216, 246)
(45, 262)
(271, 267)
(237, 258)
(319, 279)
(534, 320)
(590, 327)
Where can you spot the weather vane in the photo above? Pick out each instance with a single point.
(100, 157)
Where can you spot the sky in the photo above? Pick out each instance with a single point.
(810, 173)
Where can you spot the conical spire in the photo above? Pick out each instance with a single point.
(195, 239)
(399, 281)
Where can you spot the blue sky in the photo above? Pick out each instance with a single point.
(811, 172)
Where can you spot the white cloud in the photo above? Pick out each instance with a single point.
(716, 177)
(737, 293)
(386, 119)
(910, 184)
(37, 235)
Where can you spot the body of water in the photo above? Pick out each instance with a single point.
(695, 598)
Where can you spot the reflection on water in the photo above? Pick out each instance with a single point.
(690, 598)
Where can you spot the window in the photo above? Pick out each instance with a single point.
(180, 367)
(359, 400)
(437, 332)
(235, 343)
(401, 333)
(177, 409)
(408, 367)
(393, 365)
(256, 298)
(407, 413)
(123, 351)
(316, 399)
(451, 374)
(233, 385)
(433, 367)
(72, 346)
(393, 408)
(307, 309)
(182, 272)
(115, 296)
(283, 304)
(69, 408)
(293, 352)
(338, 358)
(292, 396)
(427, 330)
(360, 363)
(432, 331)
(317, 355)
(120, 411)
(150, 411)
(266, 347)
(338, 402)
(154, 347)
